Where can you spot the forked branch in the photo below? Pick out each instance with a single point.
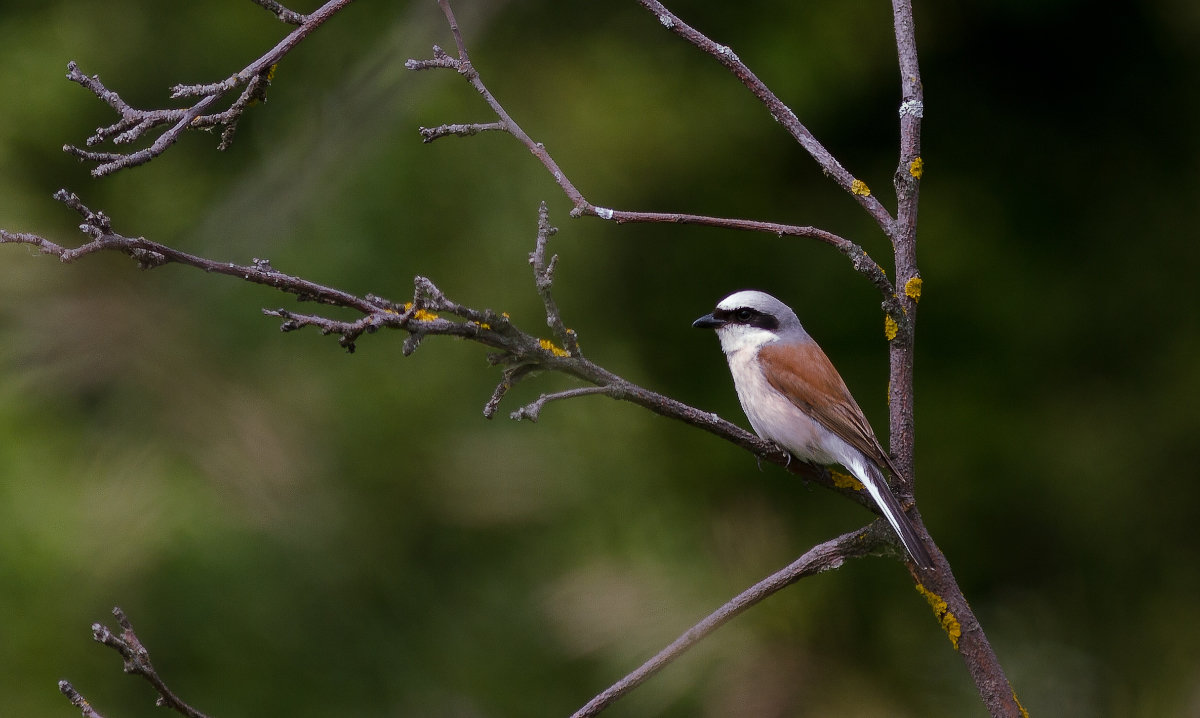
(137, 662)
(136, 124)
(860, 260)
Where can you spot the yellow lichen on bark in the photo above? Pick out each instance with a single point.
(945, 616)
(890, 328)
(845, 481)
(420, 315)
(553, 348)
(912, 288)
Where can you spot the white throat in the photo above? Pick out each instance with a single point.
(736, 338)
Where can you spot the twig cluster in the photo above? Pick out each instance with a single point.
(136, 124)
(137, 662)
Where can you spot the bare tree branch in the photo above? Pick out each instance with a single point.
(860, 260)
(543, 278)
(137, 662)
(822, 557)
(780, 111)
(429, 134)
(135, 124)
(533, 409)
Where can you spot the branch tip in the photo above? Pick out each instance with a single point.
(284, 14)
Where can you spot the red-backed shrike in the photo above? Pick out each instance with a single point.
(794, 397)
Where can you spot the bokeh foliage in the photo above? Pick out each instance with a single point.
(296, 531)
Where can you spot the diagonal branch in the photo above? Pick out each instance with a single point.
(148, 255)
(822, 557)
(860, 260)
(135, 123)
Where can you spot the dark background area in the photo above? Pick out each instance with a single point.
(297, 531)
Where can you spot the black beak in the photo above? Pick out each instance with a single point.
(708, 321)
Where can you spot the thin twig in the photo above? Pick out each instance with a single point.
(512, 375)
(533, 409)
(543, 279)
(135, 124)
(77, 700)
(429, 134)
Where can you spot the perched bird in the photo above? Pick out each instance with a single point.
(794, 397)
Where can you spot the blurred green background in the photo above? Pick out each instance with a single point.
(298, 531)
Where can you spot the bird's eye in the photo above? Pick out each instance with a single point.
(744, 315)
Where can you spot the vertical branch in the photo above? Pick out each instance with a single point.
(904, 238)
(939, 587)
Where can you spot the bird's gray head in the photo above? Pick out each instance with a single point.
(750, 319)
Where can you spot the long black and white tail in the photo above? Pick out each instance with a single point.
(873, 480)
